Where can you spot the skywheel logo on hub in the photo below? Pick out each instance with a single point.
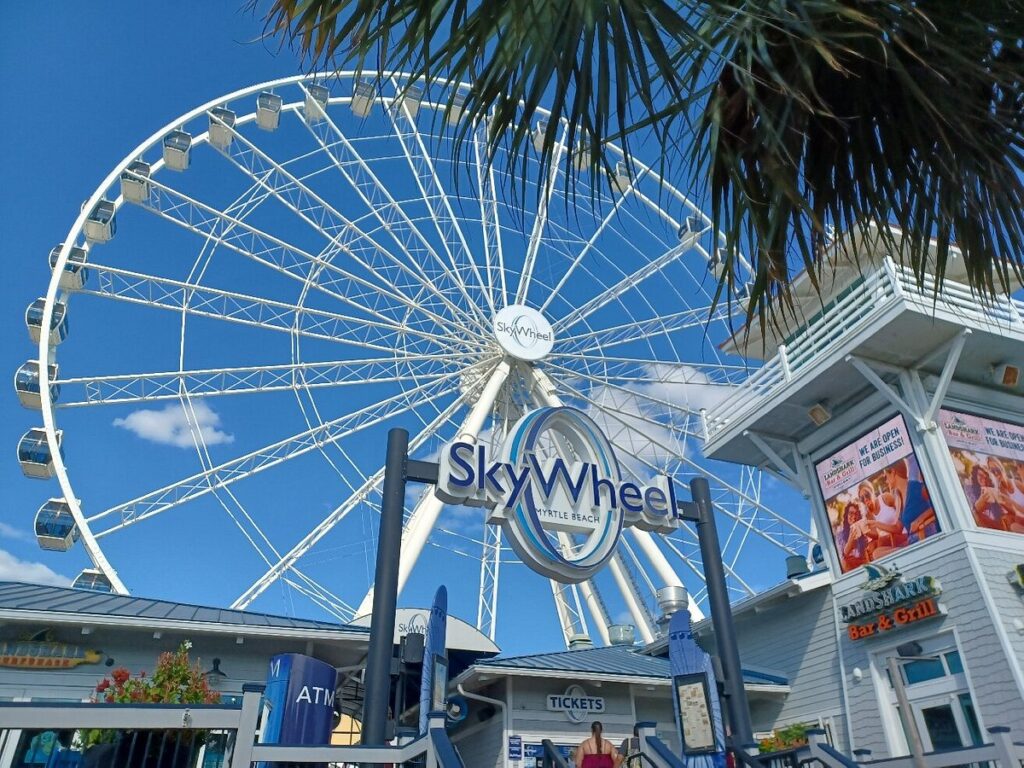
(563, 516)
(523, 332)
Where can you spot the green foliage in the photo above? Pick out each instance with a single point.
(798, 117)
(175, 680)
(786, 738)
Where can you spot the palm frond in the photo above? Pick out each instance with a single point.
(800, 116)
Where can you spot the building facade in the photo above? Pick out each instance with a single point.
(897, 414)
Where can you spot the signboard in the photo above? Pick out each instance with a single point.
(576, 704)
(434, 677)
(875, 497)
(989, 460)
(890, 603)
(515, 747)
(537, 494)
(695, 696)
(694, 702)
(299, 700)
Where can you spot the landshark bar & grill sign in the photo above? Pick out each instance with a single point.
(891, 607)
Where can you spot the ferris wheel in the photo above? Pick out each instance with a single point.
(261, 289)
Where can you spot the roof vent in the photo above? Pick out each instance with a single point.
(579, 642)
(621, 634)
(672, 599)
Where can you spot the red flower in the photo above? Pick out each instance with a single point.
(103, 685)
(120, 675)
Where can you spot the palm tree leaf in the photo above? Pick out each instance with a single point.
(798, 117)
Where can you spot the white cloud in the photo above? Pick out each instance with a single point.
(684, 385)
(10, 532)
(13, 569)
(173, 426)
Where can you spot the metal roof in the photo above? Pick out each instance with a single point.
(615, 660)
(21, 597)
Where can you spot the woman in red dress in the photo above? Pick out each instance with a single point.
(597, 751)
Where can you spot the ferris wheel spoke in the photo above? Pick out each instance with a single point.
(343, 234)
(540, 222)
(436, 196)
(641, 330)
(390, 214)
(490, 221)
(625, 368)
(680, 456)
(210, 382)
(213, 224)
(688, 561)
(637, 414)
(372, 484)
(628, 283)
(241, 467)
(584, 251)
(204, 301)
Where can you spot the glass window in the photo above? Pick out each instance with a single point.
(941, 725)
(972, 719)
(923, 670)
(956, 667)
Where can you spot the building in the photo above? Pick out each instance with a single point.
(897, 413)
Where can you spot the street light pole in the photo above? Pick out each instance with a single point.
(701, 512)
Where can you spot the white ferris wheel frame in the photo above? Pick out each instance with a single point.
(425, 513)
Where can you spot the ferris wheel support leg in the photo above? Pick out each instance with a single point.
(601, 620)
(661, 564)
(639, 619)
(425, 515)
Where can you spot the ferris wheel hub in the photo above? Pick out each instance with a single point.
(523, 332)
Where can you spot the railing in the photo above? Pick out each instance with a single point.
(1002, 752)
(552, 757)
(186, 736)
(877, 293)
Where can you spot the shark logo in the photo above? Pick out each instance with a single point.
(879, 577)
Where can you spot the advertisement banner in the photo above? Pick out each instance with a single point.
(989, 460)
(875, 496)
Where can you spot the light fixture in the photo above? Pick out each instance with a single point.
(819, 413)
(1016, 576)
(1006, 375)
(157, 635)
(214, 676)
(239, 640)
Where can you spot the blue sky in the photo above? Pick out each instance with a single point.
(89, 83)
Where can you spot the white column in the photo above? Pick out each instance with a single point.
(664, 569)
(639, 619)
(425, 515)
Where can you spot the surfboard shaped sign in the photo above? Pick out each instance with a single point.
(556, 488)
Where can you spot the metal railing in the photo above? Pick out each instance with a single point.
(878, 293)
(185, 736)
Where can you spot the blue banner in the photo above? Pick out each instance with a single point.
(299, 701)
(434, 681)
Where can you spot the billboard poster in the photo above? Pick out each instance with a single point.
(434, 678)
(875, 496)
(989, 460)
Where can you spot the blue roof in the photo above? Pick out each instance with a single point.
(619, 660)
(17, 596)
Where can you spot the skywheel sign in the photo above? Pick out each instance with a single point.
(556, 489)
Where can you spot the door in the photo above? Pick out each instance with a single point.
(942, 721)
